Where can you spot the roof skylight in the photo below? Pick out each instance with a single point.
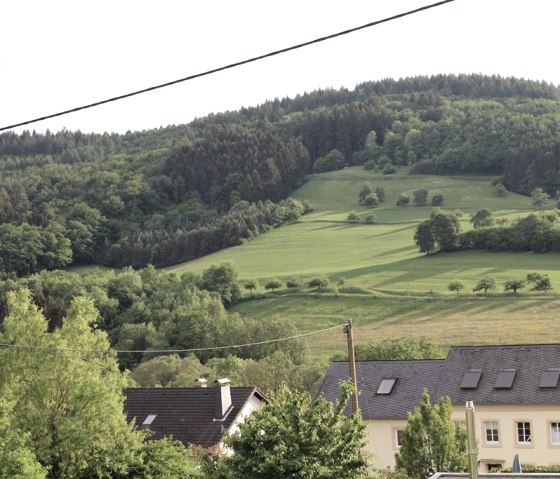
(386, 386)
(505, 379)
(471, 379)
(149, 420)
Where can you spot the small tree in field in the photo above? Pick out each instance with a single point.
(456, 286)
(420, 197)
(273, 284)
(319, 283)
(294, 284)
(432, 439)
(403, 200)
(371, 200)
(483, 217)
(250, 284)
(541, 282)
(485, 284)
(514, 285)
(369, 219)
(539, 197)
(353, 217)
(500, 190)
(437, 200)
(380, 192)
(365, 190)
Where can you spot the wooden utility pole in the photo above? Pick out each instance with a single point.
(352, 364)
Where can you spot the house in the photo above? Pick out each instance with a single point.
(515, 390)
(195, 415)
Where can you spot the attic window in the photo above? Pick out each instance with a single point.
(549, 378)
(471, 379)
(386, 386)
(505, 379)
(149, 420)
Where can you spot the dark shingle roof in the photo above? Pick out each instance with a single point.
(444, 378)
(528, 361)
(412, 377)
(187, 414)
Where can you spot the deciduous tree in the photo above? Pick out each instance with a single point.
(514, 285)
(294, 436)
(432, 439)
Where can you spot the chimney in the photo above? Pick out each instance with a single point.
(223, 399)
(202, 382)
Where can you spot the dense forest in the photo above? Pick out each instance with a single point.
(172, 194)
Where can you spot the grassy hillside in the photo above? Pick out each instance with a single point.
(380, 256)
(400, 291)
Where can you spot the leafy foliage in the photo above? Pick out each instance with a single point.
(409, 347)
(293, 436)
(431, 439)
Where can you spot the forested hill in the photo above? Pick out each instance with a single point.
(175, 193)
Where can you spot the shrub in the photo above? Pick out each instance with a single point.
(389, 170)
(403, 200)
(370, 165)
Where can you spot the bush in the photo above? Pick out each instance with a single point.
(353, 217)
(437, 200)
(389, 170)
(403, 200)
(370, 219)
(370, 165)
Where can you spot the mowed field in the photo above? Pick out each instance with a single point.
(400, 291)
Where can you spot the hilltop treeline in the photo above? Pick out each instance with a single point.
(171, 194)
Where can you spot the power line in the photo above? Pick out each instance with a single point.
(159, 351)
(231, 65)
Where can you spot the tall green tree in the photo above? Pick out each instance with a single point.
(17, 460)
(69, 402)
(294, 436)
(431, 439)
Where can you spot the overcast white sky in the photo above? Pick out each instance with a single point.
(59, 54)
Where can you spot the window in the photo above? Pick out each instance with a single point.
(471, 378)
(524, 432)
(505, 379)
(549, 378)
(398, 437)
(386, 386)
(491, 430)
(149, 419)
(555, 433)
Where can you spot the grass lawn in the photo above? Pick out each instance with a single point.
(450, 320)
(406, 291)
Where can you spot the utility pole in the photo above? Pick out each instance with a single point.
(471, 441)
(352, 364)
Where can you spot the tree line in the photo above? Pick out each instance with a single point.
(538, 232)
(146, 196)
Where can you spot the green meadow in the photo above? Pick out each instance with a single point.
(389, 288)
